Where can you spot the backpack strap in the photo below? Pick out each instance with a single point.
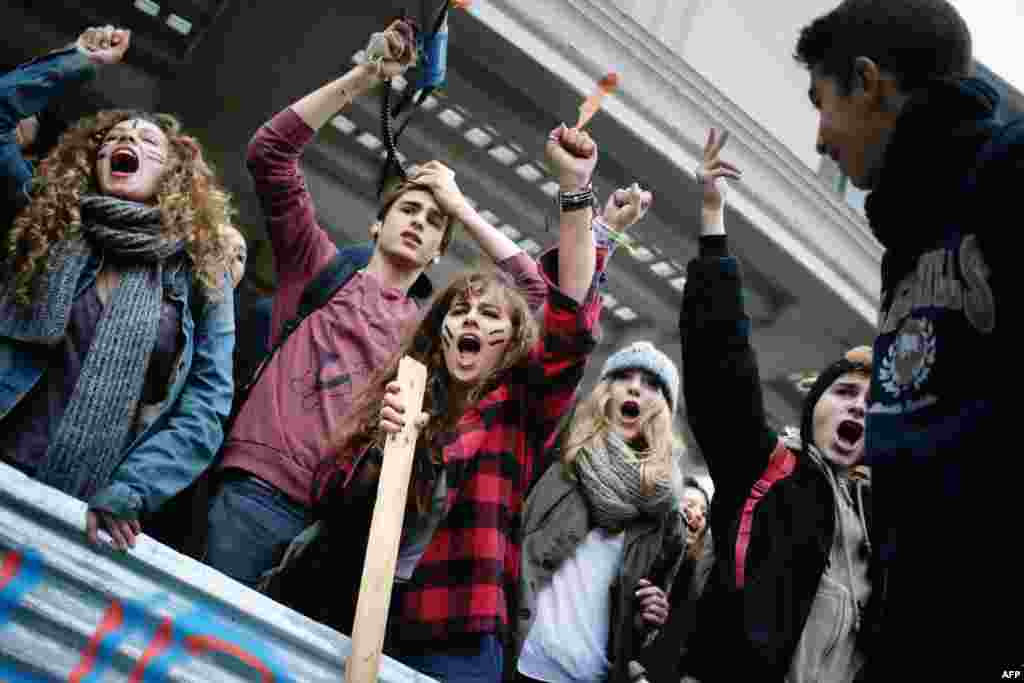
(317, 293)
(329, 280)
(780, 466)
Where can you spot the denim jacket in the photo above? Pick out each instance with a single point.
(178, 438)
(24, 92)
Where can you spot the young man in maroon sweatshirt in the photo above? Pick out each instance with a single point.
(282, 431)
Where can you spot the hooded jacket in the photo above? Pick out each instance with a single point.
(775, 508)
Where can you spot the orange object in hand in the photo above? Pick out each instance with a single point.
(608, 84)
(592, 104)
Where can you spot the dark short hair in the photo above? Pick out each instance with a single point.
(391, 195)
(914, 40)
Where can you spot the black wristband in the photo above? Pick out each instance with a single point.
(576, 200)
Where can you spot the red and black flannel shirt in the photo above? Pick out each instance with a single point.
(466, 580)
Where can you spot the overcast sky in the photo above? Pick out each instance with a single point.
(997, 31)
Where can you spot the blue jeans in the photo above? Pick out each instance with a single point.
(481, 662)
(251, 524)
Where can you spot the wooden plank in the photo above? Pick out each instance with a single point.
(385, 532)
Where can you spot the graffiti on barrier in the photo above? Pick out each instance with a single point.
(170, 639)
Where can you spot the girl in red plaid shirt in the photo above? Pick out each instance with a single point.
(497, 385)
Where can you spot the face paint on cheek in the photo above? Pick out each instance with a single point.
(154, 156)
(497, 337)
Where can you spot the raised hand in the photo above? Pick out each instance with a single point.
(572, 155)
(626, 207)
(393, 50)
(712, 168)
(104, 45)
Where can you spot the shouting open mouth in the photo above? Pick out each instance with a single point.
(124, 161)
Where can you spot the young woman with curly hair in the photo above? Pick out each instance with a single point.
(116, 323)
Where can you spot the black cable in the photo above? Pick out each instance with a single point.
(392, 165)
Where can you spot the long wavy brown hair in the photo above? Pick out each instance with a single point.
(423, 343)
(193, 203)
(662, 445)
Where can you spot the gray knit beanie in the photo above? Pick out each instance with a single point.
(644, 356)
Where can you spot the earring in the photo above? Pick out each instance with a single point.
(436, 259)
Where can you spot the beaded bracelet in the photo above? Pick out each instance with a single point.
(608, 237)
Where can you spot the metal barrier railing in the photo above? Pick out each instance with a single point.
(70, 611)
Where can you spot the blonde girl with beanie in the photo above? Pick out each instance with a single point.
(603, 529)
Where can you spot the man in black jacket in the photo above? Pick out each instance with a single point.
(901, 118)
(790, 513)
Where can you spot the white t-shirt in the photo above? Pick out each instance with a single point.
(569, 637)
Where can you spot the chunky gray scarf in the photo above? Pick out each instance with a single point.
(612, 481)
(91, 436)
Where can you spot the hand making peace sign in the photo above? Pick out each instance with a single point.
(712, 168)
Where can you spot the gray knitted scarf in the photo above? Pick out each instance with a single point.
(612, 476)
(93, 432)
